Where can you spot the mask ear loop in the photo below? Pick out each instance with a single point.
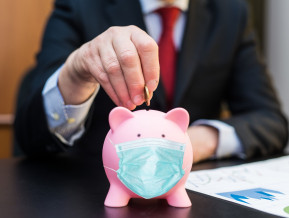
(109, 168)
(111, 142)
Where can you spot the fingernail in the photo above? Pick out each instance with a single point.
(138, 99)
(152, 85)
(129, 104)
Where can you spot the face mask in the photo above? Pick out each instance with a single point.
(150, 167)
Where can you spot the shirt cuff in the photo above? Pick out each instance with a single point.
(65, 121)
(229, 143)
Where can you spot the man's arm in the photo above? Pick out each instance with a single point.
(256, 117)
(252, 100)
(60, 39)
(122, 60)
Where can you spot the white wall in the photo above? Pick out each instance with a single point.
(277, 47)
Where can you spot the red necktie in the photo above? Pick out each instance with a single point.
(167, 50)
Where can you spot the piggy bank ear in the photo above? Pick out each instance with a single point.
(119, 115)
(180, 116)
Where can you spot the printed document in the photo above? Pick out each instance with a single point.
(260, 185)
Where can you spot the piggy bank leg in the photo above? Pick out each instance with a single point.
(179, 198)
(116, 197)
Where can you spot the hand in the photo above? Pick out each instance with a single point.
(122, 60)
(204, 141)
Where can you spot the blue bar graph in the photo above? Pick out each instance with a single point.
(256, 193)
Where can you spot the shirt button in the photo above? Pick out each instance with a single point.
(70, 120)
(55, 116)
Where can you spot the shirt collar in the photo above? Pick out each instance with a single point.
(149, 6)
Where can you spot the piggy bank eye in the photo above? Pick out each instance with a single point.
(138, 135)
(163, 135)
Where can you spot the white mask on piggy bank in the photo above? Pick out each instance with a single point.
(147, 154)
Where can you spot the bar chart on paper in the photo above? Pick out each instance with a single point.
(262, 185)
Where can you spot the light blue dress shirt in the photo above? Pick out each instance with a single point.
(67, 121)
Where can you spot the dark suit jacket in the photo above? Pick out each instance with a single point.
(217, 63)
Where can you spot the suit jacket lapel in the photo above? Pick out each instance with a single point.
(193, 40)
(128, 12)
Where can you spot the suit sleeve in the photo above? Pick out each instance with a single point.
(62, 36)
(256, 111)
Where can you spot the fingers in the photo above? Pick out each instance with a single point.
(204, 140)
(94, 65)
(103, 79)
(123, 60)
(148, 52)
(114, 73)
(130, 64)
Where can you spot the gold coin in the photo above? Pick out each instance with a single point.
(147, 96)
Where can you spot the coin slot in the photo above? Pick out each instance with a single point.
(163, 135)
(138, 135)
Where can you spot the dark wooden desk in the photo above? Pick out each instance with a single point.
(74, 187)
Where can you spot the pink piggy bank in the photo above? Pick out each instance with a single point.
(147, 154)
